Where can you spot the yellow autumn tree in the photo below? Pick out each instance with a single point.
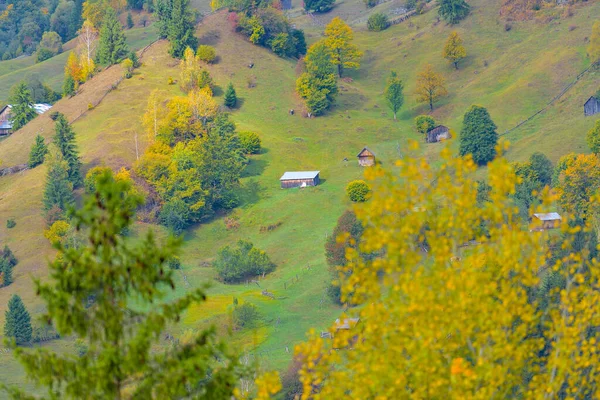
(88, 67)
(94, 10)
(430, 86)
(454, 51)
(204, 107)
(593, 49)
(338, 39)
(463, 319)
(189, 70)
(73, 68)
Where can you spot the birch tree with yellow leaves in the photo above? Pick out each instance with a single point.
(450, 309)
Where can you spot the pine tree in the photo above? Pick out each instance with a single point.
(121, 362)
(112, 47)
(22, 106)
(38, 152)
(454, 51)
(180, 28)
(6, 272)
(64, 138)
(68, 88)
(394, 94)
(230, 96)
(452, 11)
(58, 191)
(478, 136)
(130, 23)
(18, 321)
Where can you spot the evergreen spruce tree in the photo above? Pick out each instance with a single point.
(68, 88)
(130, 23)
(22, 110)
(18, 322)
(38, 152)
(58, 191)
(478, 136)
(180, 28)
(64, 138)
(111, 47)
(6, 272)
(230, 96)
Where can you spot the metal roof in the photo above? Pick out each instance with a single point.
(553, 216)
(299, 175)
(39, 108)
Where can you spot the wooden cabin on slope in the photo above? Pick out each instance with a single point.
(591, 106)
(544, 221)
(299, 179)
(366, 158)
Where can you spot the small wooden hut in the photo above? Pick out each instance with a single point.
(366, 158)
(5, 125)
(299, 179)
(544, 221)
(438, 134)
(591, 106)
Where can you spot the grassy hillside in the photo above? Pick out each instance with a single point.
(51, 71)
(512, 73)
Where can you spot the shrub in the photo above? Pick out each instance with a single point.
(357, 190)
(335, 252)
(43, 332)
(250, 142)
(90, 106)
(424, 123)
(10, 223)
(206, 53)
(245, 316)
(89, 183)
(245, 260)
(378, 22)
(174, 262)
(370, 3)
(175, 215)
(43, 54)
(128, 68)
(170, 81)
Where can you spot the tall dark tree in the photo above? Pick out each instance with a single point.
(478, 136)
(22, 110)
(543, 168)
(120, 362)
(18, 322)
(230, 98)
(130, 23)
(38, 152)
(180, 28)
(59, 190)
(111, 47)
(453, 11)
(64, 138)
(318, 5)
(68, 86)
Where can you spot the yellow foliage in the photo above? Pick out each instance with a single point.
(88, 67)
(189, 70)
(73, 68)
(203, 105)
(338, 37)
(267, 385)
(94, 11)
(454, 51)
(593, 49)
(430, 86)
(462, 320)
(57, 232)
(154, 114)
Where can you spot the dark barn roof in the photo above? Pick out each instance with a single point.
(365, 149)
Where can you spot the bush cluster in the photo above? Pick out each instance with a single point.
(236, 263)
(250, 142)
(378, 22)
(357, 190)
(245, 316)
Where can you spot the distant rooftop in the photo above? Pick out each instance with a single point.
(299, 175)
(553, 216)
(39, 108)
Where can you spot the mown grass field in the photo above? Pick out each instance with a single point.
(512, 73)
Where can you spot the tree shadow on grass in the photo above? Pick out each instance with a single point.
(254, 168)
(250, 193)
(210, 38)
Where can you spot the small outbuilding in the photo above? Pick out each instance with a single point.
(366, 158)
(591, 106)
(438, 134)
(299, 179)
(544, 221)
(5, 122)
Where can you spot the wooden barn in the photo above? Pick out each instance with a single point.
(438, 134)
(366, 158)
(542, 222)
(299, 179)
(591, 106)
(5, 125)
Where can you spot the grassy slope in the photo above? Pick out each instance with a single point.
(512, 73)
(51, 71)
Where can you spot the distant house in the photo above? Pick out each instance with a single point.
(546, 221)
(366, 158)
(346, 323)
(299, 179)
(438, 134)
(591, 106)
(6, 125)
